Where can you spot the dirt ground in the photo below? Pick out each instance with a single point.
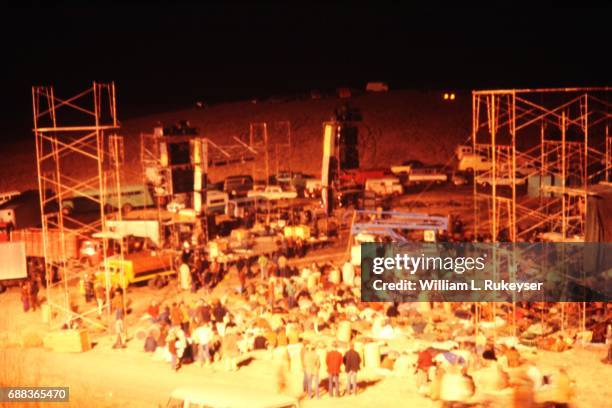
(104, 377)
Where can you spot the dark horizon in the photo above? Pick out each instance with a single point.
(164, 58)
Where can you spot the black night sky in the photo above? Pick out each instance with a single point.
(164, 57)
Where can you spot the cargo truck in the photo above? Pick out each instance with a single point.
(144, 265)
(13, 267)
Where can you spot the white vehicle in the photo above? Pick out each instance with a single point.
(505, 180)
(216, 201)
(427, 175)
(463, 150)
(228, 397)
(138, 228)
(474, 162)
(272, 193)
(384, 186)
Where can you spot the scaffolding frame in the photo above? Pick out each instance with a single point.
(260, 134)
(77, 152)
(503, 123)
(204, 155)
(499, 132)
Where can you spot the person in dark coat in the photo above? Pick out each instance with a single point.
(219, 312)
(203, 313)
(352, 364)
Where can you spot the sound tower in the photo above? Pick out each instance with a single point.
(182, 180)
(348, 147)
(179, 153)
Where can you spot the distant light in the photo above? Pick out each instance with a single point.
(452, 97)
(445, 96)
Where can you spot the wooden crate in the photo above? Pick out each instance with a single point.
(68, 341)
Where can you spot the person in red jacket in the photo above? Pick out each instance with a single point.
(333, 359)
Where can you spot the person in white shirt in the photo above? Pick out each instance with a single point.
(203, 336)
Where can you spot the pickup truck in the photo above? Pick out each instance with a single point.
(406, 167)
(271, 193)
(137, 267)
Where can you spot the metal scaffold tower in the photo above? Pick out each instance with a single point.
(274, 156)
(78, 158)
(553, 143)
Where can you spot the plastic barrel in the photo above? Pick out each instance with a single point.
(348, 274)
(334, 276)
(313, 281)
(372, 355)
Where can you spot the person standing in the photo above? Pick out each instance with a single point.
(100, 298)
(312, 364)
(25, 296)
(176, 315)
(171, 341)
(203, 336)
(230, 350)
(333, 359)
(243, 269)
(34, 293)
(262, 261)
(89, 288)
(352, 364)
(120, 330)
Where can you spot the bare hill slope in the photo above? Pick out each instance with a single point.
(397, 126)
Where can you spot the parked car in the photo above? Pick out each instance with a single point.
(387, 186)
(272, 193)
(238, 186)
(430, 174)
(485, 180)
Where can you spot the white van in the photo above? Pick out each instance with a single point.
(209, 396)
(474, 162)
(385, 186)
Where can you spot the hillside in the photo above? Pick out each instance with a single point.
(397, 126)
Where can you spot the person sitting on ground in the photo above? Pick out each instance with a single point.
(150, 343)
